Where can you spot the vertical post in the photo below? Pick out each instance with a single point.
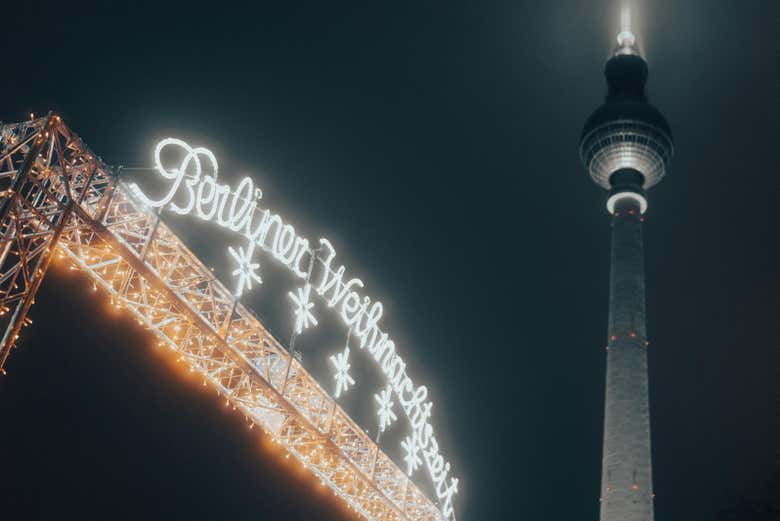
(329, 424)
(32, 260)
(24, 171)
(374, 458)
(88, 182)
(149, 238)
(294, 334)
(108, 196)
(9, 230)
(225, 329)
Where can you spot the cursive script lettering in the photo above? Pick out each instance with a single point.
(191, 190)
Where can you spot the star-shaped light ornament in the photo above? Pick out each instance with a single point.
(412, 449)
(385, 408)
(304, 318)
(246, 270)
(343, 380)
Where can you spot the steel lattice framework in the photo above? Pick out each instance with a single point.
(58, 198)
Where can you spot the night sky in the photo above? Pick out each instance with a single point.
(435, 145)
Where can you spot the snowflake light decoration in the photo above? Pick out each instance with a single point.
(343, 380)
(412, 457)
(385, 408)
(304, 318)
(246, 271)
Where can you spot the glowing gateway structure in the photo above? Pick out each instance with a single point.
(58, 198)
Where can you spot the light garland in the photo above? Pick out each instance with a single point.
(240, 212)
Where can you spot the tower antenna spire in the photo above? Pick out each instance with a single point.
(626, 38)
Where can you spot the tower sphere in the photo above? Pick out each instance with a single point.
(626, 132)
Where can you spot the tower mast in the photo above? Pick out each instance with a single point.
(626, 147)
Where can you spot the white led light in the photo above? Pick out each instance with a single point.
(385, 412)
(626, 38)
(626, 195)
(343, 380)
(412, 449)
(246, 271)
(304, 318)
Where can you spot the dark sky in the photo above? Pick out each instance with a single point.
(435, 144)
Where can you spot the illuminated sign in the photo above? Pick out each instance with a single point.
(193, 188)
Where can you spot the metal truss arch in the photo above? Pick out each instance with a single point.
(58, 198)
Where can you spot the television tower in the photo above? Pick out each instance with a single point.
(626, 146)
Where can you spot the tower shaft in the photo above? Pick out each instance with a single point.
(626, 483)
